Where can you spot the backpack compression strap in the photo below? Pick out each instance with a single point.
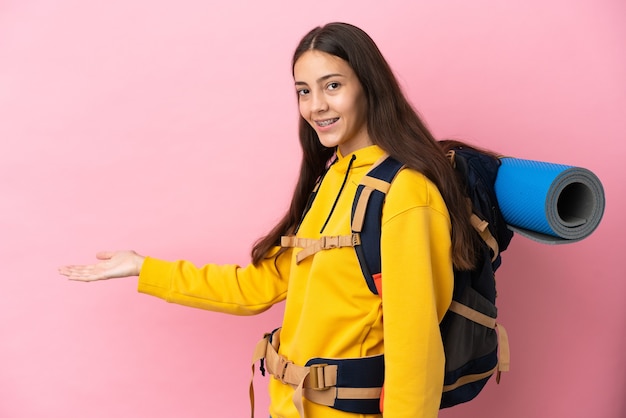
(480, 225)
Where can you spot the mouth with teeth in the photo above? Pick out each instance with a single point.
(326, 122)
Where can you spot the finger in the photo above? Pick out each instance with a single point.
(76, 268)
(90, 272)
(70, 270)
(84, 275)
(63, 270)
(83, 279)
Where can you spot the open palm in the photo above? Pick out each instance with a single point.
(112, 265)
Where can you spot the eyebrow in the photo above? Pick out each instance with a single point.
(319, 80)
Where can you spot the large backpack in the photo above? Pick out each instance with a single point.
(468, 329)
(475, 347)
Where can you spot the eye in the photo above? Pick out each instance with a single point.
(302, 92)
(333, 86)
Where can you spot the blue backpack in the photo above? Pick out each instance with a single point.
(468, 329)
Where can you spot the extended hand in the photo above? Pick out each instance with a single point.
(113, 265)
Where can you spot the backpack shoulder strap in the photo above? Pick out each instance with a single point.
(367, 214)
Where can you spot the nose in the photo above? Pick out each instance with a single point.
(318, 102)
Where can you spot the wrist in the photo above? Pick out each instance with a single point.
(139, 259)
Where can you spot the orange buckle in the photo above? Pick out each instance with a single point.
(282, 369)
(316, 377)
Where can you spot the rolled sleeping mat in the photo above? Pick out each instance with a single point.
(549, 203)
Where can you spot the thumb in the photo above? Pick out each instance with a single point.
(104, 255)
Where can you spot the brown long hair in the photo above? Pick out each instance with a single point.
(392, 124)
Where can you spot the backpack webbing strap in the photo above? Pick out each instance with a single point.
(281, 369)
(472, 314)
(367, 215)
(481, 226)
(258, 355)
(317, 382)
(370, 184)
(504, 355)
(469, 378)
(311, 246)
(502, 366)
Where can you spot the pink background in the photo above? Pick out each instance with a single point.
(170, 128)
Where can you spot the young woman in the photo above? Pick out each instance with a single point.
(352, 113)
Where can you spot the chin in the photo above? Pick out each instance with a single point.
(329, 142)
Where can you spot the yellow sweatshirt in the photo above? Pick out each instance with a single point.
(329, 311)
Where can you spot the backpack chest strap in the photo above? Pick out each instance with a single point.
(311, 246)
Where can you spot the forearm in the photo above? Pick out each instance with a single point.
(226, 288)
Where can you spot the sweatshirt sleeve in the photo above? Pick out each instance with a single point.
(221, 288)
(417, 291)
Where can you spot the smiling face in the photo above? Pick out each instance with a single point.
(331, 100)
